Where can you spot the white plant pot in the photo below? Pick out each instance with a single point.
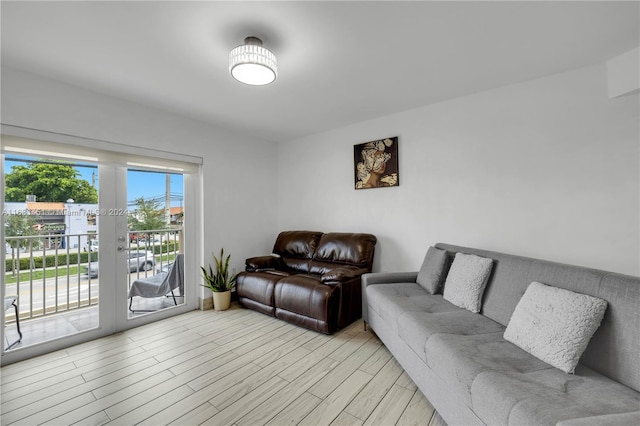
(221, 300)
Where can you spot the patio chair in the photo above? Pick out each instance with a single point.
(10, 301)
(160, 285)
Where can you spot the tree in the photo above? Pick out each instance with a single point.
(19, 225)
(147, 215)
(48, 182)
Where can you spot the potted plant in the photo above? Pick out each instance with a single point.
(219, 282)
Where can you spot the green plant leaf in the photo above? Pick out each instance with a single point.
(219, 281)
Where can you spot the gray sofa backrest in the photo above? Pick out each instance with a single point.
(614, 350)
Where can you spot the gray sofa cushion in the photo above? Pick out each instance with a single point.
(415, 328)
(433, 270)
(628, 418)
(548, 396)
(458, 359)
(392, 300)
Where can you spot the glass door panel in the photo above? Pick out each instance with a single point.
(153, 249)
(51, 245)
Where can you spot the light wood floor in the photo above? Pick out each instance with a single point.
(236, 367)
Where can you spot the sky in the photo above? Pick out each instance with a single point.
(151, 184)
(143, 184)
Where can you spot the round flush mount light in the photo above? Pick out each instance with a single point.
(253, 64)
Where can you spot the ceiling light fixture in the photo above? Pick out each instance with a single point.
(253, 64)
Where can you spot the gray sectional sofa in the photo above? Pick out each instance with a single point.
(464, 366)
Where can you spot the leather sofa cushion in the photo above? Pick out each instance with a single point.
(297, 244)
(306, 296)
(342, 274)
(335, 272)
(295, 265)
(259, 286)
(352, 249)
(303, 321)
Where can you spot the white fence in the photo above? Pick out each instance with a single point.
(54, 273)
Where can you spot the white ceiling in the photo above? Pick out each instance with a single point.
(339, 62)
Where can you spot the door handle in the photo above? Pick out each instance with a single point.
(120, 248)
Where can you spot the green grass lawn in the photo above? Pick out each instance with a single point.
(38, 275)
(62, 271)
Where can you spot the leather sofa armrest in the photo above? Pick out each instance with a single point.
(342, 274)
(388, 278)
(261, 263)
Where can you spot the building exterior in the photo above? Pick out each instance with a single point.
(76, 220)
(176, 215)
(58, 219)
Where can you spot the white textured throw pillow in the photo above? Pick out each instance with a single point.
(555, 325)
(466, 281)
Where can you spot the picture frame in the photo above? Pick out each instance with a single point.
(375, 163)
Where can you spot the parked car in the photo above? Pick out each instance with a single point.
(8, 249)
(91, 245)
(165, 267)
(138, 260)
(144, 239)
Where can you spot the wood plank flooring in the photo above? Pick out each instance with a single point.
(236, 367)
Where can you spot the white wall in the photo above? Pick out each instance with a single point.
(547, 168)
(239, 173)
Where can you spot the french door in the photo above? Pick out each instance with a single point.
(141, 249)
(133, 234)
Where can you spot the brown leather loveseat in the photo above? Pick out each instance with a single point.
(311, 279)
